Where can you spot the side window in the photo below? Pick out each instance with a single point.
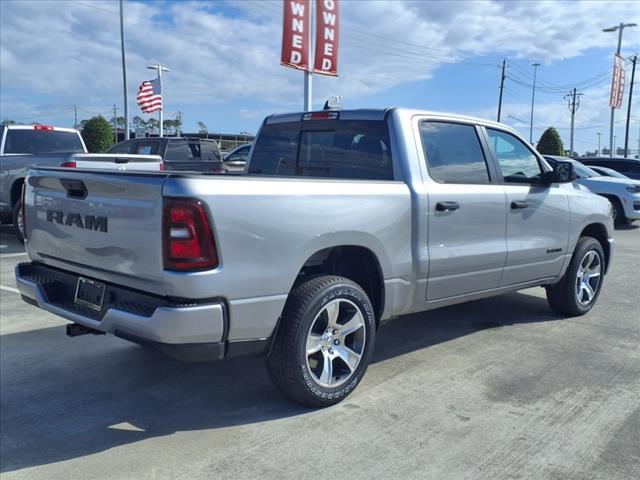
(179, 151)
(517, 163)
(239, 155)
(631, 167)
(453, 153)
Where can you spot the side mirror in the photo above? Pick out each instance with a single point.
(562, 172)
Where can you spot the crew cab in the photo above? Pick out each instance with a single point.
(344, 219)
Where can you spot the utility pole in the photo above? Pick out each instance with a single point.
(620, 28)
(599, 135)
(115, 123)
(159, 69)
(504, 62)
(124, 77)
(573, 102)
(179, 126)
(533, 98)
(626, 130)
(75, 117)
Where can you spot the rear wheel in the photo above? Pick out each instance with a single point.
(324, 341)
(581, 284)
(18, 221)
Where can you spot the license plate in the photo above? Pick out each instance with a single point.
(89, 293)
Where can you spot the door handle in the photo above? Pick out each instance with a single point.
(519, 204)
(447, 206)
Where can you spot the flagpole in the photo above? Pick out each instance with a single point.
(162, 93)
(160, 68)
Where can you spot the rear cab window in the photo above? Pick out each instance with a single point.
(42, 141)
(347, 149)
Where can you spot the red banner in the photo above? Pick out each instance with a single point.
(617, 83)
(327, 37)
(295, 34)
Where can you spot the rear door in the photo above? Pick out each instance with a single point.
(538, 217)
(467, 212)
(103, 225)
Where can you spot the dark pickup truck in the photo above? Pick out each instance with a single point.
(178, 153)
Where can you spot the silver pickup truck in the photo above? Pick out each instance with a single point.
(342, 220)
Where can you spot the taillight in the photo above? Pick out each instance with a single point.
(216, 170)
(68, 164)
(320, 116)
(187, 236)
(162, 166)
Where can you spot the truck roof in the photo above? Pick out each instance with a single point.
(381, 113)
(40, 127)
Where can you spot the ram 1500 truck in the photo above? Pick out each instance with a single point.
(344, 219)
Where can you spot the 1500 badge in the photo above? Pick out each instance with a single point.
(89, 222)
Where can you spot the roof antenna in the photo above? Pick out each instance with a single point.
(333, 103)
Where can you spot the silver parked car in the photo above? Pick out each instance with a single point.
(623, 193)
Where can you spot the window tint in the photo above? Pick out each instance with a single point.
(42, 141)
(330, 149)
(210, 151)
(630, 167)
(453, 153)
(517, 163)
(182, 151)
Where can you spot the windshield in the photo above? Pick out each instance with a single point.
(584, 172)
(42, 141)
(611, 173)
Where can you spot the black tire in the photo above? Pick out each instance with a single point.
(288, 361)
(17, 222)
(563, 296)
(619, 217)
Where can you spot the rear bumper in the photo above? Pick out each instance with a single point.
(192, 332)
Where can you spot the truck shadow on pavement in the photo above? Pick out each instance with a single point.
(8, 241)
(64, 398)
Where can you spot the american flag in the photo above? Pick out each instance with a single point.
(149, 96)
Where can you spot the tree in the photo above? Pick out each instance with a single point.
(139, 122)
(119, 122)
(97, 134)
(153, 124)
(550, 143)
(168, 124)
(8, 122)
(202, 128)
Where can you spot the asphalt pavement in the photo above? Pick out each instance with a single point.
(500, 388)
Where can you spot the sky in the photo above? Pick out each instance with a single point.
(224, 58)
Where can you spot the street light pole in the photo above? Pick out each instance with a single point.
(619, 28)
(124, 77)
(533, 98)
(159, 69)
(599, 135)
(626, 130)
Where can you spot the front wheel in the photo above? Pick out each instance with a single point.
(579, 288)
(324, 341)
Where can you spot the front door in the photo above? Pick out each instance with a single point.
(467, 212)
(538, 215)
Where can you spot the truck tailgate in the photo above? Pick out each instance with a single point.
(99, 224)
